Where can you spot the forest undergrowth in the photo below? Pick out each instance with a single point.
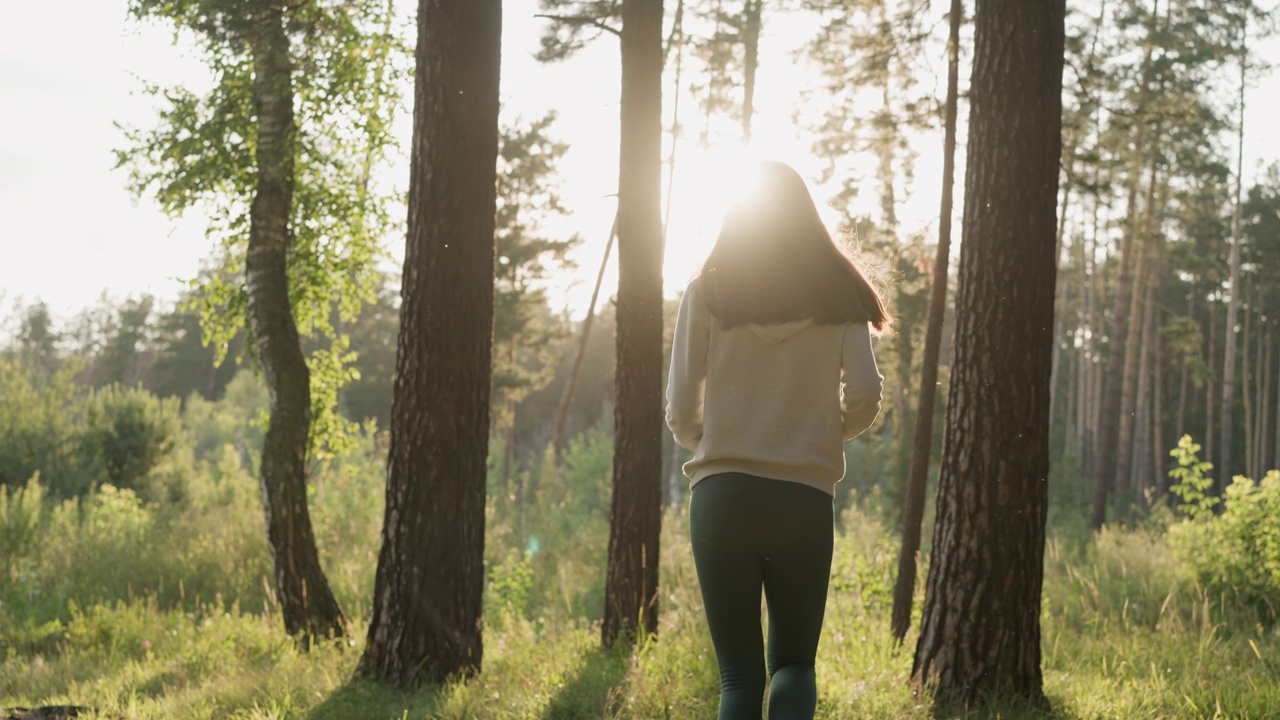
(162, 608)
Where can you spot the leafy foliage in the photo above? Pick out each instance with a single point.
(528, 200)
(1192, 482)
(1237, 551)
(348, 62)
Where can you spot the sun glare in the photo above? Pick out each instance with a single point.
(708, 181)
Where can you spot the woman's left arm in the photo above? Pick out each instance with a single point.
(686, 382)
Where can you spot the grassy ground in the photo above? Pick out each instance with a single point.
(149, 612)
(1123, 638)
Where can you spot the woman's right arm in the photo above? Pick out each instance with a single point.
(686, 382)
(860, 381)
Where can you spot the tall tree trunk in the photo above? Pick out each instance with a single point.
(631, 586)
(1183, 377)
(913, 514)
(677, 39)
(509, 432)
(988, 542)
(1128, 388)
(430, 579)
(1246, 391)
(571, 385)
(1260, 369)
(1146, 358)
(1210, 403)
(1275, 447)
(306, 602)
(1159, 451)
(1110, 421)
(1128, 425)
(751, 61)
(1233, 308)
(1264, 448)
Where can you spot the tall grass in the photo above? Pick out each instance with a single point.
(164, 609)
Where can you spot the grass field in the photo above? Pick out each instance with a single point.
(145, 611)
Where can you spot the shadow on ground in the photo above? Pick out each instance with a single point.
(1003, 710)
(365, 699)
(597, 691)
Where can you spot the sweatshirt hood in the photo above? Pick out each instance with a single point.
(775, 333)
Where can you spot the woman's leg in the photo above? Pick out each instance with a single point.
(796, 575)
(729, 572)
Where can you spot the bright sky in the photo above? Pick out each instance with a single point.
(70, 69)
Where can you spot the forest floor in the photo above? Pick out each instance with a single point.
(1124, 636)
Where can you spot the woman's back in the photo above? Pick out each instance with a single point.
(766, 399)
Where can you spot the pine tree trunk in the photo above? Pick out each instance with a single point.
(1210, 404)
(1146, 359)
(425, 625)
(306, 602)
(1158, 450)
(1184, 376)
(1246, 391)
(1275, 447)
(1223, 466)
(988, 542)
(751, 60)
(1144, 233)
(571, 385)
(1128, 388)
(1264, 449)
(1111, 415)
(913, 514)
(1259, 370)
(631, 586)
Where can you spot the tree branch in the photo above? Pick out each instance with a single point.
(579, 20)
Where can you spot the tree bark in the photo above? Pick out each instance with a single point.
(1210, 406)
(631, 586)
(751, 61)
(1128, 422)
(1109, 455)
(1269, 373)
(306, 602)
(1184, 375)
(1246, 391)
(1275, 447)
(426, 621)
(571, 385)
(1224, 468)
(913, 513)
(988, 542)
(1146, 373)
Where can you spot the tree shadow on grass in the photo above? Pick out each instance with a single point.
(1004, 709)
(597, 691)
(369, 700)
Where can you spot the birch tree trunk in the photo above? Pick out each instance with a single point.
(306, 602)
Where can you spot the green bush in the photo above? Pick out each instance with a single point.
(40, 428)
(1236, 552)
(128, 434)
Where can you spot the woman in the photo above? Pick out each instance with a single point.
(771, 370)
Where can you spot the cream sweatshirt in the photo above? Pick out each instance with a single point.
(777, 401)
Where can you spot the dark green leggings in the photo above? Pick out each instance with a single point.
(751, 533)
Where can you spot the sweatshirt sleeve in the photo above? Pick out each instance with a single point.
(686, 381)
(860, 381)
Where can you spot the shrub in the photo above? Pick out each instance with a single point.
(1237, 551)
(128, 433)
(40, 425)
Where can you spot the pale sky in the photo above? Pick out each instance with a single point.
(70, 69)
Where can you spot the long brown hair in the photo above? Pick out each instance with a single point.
(774, 261)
